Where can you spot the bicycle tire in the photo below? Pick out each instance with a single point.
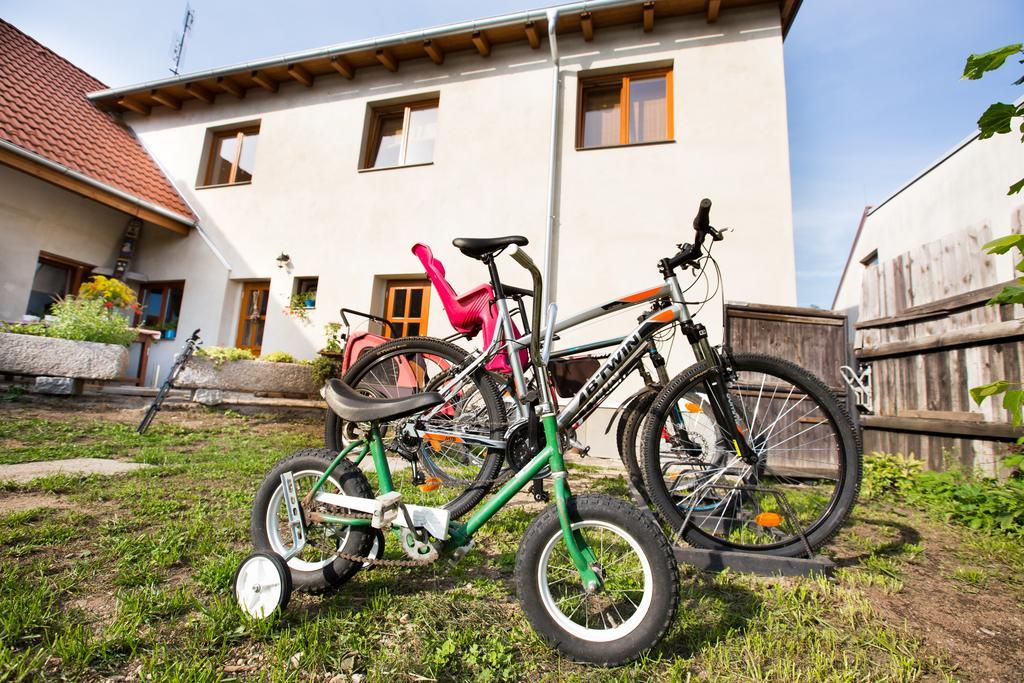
(473, 491)
(848, 460)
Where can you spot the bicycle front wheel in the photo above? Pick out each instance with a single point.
(796, 495)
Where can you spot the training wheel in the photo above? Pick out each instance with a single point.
(263, 585)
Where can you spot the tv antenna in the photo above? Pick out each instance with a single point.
(179, 49)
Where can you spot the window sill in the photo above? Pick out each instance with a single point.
(391, 168)
(211, 187)
(629, 144)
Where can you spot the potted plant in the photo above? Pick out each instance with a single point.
(169, 330)
(297, 307)
(310, 298)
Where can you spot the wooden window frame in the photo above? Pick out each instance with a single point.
(300, 281)
(77, 270)
(212, 154)
(165, 286)
(389, 287)
(623, 78)
(374, 132)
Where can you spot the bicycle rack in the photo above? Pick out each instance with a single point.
(752, 563)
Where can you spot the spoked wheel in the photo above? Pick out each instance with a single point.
(638, 600)
(316, 567)
(263, 585)
(414, 365)
(797, 494)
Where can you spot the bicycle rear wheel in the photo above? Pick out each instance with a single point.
(458, 475)
(801, 488)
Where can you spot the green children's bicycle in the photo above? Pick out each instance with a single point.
(595, 576)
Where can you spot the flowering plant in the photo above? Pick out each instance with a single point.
(297, 307)
(112, 292)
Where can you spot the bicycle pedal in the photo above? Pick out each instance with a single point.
(388, 511)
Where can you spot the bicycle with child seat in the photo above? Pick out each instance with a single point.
(785, 489)
(596, 577)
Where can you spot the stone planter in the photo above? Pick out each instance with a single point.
(23, 354)
(251, 376)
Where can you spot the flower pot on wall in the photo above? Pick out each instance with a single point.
(23, 354)
(252, 376)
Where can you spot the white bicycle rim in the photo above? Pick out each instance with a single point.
(578, 630)
(259, 587)
(282, 546)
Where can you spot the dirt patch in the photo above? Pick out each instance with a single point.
(98, 609)
(17, 502)
(977, 629)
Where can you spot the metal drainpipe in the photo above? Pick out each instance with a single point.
(556, 123)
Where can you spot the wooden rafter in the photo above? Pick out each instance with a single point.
(299, 73)
(587, 26)
(648, 16)
(80, 187)
(199, 92)
(343, 67)
(433, 51)
(261, 79)
(165, 99)
(787, 9)
(531, 35)
(387, 58)
(713, 7)
(134, 105)
(230, 87)
(482, 42)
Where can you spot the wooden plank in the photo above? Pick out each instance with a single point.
(165, 99)
(200, 93)
(936, 308)
(713, 7)
(587, 26)
(134, 105)
(805, 319)
(387, 58)
(943, 415)
(531, 34)
(299, 73)
(786, 310)
(980, 334)
(261, 79)
(648, 16)
(84, 189)
(433, 51)
(231, 87)
(922, 425)
(482, 43)
(343, 67)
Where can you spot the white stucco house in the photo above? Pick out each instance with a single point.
(343, 157)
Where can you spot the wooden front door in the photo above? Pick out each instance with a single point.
(406, 306)
(253, 316)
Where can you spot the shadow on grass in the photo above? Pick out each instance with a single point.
(709, 610)
(906, 535)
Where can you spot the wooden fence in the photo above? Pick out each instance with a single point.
(928, 336)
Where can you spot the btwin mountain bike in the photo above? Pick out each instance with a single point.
(742, 451)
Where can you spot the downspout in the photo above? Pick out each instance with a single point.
(550, 251)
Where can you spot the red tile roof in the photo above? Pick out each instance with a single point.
(43, 109)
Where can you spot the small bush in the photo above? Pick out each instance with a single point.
(278, 357)
(220, 354)
(885, 473)
(324, 368)
(89, 320)
(109, 290)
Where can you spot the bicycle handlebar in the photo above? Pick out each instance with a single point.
(523, 259)
(689, 253)
(369, 316)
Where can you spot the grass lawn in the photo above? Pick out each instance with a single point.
(125, 577)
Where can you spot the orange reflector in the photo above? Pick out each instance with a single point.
(691, 407)
(431, 484)
(768, 519)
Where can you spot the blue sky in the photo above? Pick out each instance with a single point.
(873, 86)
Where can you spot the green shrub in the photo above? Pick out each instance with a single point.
(278, 357)
(324, 368)
(220, 354)
(33, 329)
(885, 473)
(89, 320)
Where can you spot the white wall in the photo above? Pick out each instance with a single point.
(621, 209)
(964, 190)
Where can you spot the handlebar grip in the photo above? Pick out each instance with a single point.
(702, 221)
